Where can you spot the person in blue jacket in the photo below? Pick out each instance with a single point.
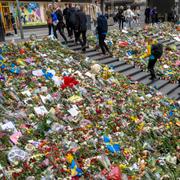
(102, 29)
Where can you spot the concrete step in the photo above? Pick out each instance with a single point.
(100, 57)
(92, 54)
(146, 81)
(132, 72)
(158, 84)
(169, 88)
(169, 43)
(140, 76)
(116, 64)
(175, 94)
(123, 68)
(76, 48)
(107, 60)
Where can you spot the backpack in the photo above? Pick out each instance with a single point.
(72, 17)
(157, 50)
(102, 24)
(55, 20)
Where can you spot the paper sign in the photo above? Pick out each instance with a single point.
(46, 98)
(8, 126)
(73, 111)
(27, 93)
(14, 138)
(41, 110)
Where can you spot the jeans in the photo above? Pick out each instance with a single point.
(151, 65)
(102, 43)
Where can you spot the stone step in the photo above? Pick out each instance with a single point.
(175, 94)
(93, 53)
(76, 48)
(107, 60)
(169, 88)
(116, 64)
(169, 43)
(147, 81)
(123, 68)
(100, 57)
(140, 76)
(132, 72)
(159, 84)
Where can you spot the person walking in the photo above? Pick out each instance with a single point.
(147, 15)
(13, 23)
(49, 19)
(129, 16)
(102, 29)
(120, 17)
(71, 16)
(137, 14)
(65, 14)
(82, 27)
(154, 15)
(58, 22)
(2, 31)
(154, 52)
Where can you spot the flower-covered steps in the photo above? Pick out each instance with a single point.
(134, 73)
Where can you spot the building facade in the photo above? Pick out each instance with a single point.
(32, 12)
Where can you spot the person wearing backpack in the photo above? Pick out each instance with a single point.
(102, 29)
(71, 16)
(154, 52)
(57, 18)
(82, 27)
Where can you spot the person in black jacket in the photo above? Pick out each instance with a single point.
(60, 26)
(147, 15)
(65, 14)
(71, 16)
(81, 27)
(102, 29)
(13, 23)
(120, 17)
(2, 33)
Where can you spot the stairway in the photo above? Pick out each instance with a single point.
(132, 72)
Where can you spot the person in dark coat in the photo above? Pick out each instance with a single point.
(147, 15)
(120, 17)
(13, 23)
(65, 14)
(81, 27)
(2, 33)
(154, 15)
(71, 16)
(102, 29)
(60, 25)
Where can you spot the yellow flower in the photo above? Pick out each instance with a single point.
(69, 158)
(140, 126)
(122, 166)
(110, 102)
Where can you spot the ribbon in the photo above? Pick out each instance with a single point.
(112, 147)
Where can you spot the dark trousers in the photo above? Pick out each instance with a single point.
(15, 29)
(50, 27)
(151, 65)
(147, 19)
(61, 32)
(83, 41)
(121, 23)
(102, 43)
